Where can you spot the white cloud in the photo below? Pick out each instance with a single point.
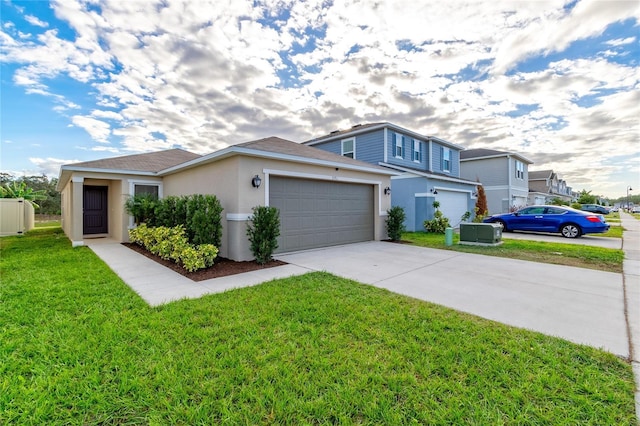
(202, 75)
(621, 41)
(35, 21)
(48, 166)
(98, 130)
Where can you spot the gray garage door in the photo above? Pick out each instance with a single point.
(316, 213)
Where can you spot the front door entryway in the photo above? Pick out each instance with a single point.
(94, 207)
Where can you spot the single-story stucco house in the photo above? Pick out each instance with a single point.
(324, 199)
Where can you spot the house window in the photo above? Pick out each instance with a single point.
(417, 154)
(446, 160)
(349, 148)
(398, 145)
(146, 190)
(519, 169)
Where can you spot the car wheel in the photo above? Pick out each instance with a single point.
(570, 231)
(502, 225)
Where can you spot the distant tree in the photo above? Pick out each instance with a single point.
(557, 201)
(44, 189)
(585, 197)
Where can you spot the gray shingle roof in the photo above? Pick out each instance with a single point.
(540, 174)
(148, 162)
(282, 146)
(484, 152)
(345, 131)
(480, 152)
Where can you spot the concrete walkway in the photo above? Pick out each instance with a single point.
(158, 285)
(631, 276)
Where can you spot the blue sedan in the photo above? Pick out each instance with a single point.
(571, 223)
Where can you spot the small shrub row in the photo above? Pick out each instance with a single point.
(200, 214)
(172, 244)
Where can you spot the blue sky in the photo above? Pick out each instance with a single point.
(557, 81)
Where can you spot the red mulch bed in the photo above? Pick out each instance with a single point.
(222, 267)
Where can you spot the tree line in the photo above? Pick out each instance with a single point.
(39, 189)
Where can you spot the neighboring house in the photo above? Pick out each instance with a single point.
(429, 169)
(324, 199)
(504, 177)
(545, 186)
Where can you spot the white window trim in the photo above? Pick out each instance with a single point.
(416, 144)
(353, 151)
(519, 170)
(132, 185)
(399, 137)
(445, 150)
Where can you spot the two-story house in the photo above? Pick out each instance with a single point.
(428, 169)
(545, 185)
(504, 177)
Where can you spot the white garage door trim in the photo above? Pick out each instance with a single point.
(322, 213)
(287, 173)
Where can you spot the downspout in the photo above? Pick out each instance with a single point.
(509, 194)
(386, 146)
(430, 166)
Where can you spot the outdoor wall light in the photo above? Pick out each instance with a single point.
(434, 191)
(387, 191)
(256, 181)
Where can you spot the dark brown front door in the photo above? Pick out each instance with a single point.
(94, 205)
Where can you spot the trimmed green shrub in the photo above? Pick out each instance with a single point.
(201, 216)
(395, 222)
(141, 207)
(204, 219)
(439, 222)
(172, 244)
(263, 232)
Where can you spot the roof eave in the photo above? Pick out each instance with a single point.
(504, 154)
(431, 175)
(235, 150)
(391, 126)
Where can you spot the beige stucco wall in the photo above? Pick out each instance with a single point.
(118, 188)
(230, 180)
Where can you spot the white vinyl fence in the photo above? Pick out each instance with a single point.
(16, 216)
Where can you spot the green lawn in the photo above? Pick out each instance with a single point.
(536, 251)
(77, 346)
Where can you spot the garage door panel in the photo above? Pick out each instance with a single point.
(453, 205)
(321, 213)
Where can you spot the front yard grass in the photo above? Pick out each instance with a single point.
(77, 346)
(602, 259)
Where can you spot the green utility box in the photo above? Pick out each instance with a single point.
(480, 233)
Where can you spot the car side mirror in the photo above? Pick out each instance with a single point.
(516, 214)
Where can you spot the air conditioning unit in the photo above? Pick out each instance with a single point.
(480, 234)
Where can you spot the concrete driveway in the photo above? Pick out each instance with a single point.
(585, 240)
(581, 305)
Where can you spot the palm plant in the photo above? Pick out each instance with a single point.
(20, 190)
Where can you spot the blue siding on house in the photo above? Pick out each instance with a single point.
(436, 151)
(407, 151)
(370, 147)
(332, 146)
(403, 195)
